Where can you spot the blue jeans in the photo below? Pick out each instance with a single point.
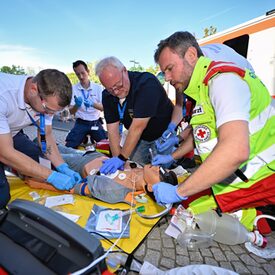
(141, 153)
(23, 144)
(83, 128)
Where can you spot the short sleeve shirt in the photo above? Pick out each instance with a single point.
(13, 109)
(94, 93)
(146, 98)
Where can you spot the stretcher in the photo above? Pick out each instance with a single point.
(139, 227)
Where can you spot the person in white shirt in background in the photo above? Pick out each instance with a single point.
(86, 106)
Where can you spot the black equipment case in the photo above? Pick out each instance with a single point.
(36, 240)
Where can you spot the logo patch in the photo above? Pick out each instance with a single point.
(198, 110)
(202, 133)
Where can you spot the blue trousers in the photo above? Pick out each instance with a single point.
(83, 128)
(23, 144)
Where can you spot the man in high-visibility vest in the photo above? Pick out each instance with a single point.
(233, 125)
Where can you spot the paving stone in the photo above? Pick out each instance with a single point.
(257, 258)
(210, 261)
(182, 260)
(195, 256)
(169, 253)
(182, 251)
(224, 247)
(168, 243)
(167, 263)
(237, 249)
(141, 250)
(226, 265)
(154, 234)
(218, 254)
(154, 244)
(256, 270)
(214, 244)
(248, 260)
(240, 268)
(191, 263)
(231, 256)
(152, 257)
(206, 252)
(269, 269)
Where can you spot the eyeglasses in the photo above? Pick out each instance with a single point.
(49, 110)
(45, 107)
(117, 86)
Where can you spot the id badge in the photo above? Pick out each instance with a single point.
(45, 162)
(94, 128)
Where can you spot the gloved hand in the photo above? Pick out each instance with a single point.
(64, 169)
(88, 103)
(165, 144)
(112, 165)
(166, 193)
(162, 159)
(170, 129)
(78, 101)
(169, 133)
(61, 181)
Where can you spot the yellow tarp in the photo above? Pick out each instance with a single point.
(139, 227)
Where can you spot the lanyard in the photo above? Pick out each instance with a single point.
(83, 93)
(121, 115)
(41, 129)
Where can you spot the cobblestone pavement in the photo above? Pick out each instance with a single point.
(163, 251)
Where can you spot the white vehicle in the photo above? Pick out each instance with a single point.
(255, 40)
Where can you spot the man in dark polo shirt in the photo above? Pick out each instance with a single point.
(137, 101)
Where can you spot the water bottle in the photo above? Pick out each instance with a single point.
(227, 229)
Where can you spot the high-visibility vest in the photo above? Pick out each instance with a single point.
(235, 193)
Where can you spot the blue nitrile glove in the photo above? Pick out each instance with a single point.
(167, 193)
(61, 181)
(162, 159)
(167, 134)
(64, 168)
(88, 103)
(112, 165)
(167, 143)
(78, 101)
(170, 129)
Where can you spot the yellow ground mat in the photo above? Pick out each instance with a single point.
(139, 227)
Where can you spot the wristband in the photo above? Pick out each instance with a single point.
(120, 156)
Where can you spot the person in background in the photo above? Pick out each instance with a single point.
(86, 106)
(137, 101)
(26, 100)
(232, 124)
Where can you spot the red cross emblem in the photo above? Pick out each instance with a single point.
(202, 133)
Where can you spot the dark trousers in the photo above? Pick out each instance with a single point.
(83, 128)
(23, 144)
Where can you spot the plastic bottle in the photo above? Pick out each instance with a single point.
(194, 239)
(227, 229)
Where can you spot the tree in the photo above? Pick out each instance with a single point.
(212, 30)
(153, 70)
(137, 68)
(12, 70)
(73, 78)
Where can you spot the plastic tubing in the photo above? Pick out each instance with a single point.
(160, 214)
